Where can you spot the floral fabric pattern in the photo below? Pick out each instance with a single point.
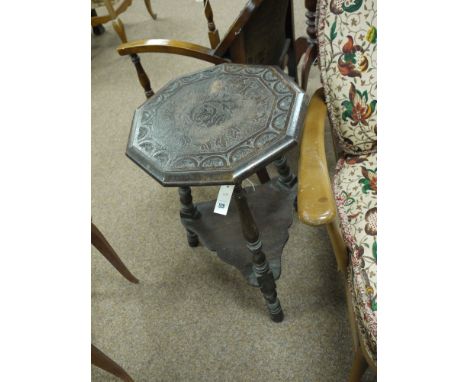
(355, 187)
(356, 109)
(347, 37)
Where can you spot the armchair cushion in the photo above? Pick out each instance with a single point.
(347, 37)
(355, 188)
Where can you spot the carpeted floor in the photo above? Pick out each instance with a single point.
(192, 317)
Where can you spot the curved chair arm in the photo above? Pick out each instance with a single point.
(170, 46)
(316, 203)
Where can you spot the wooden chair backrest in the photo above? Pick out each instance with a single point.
(260, 33)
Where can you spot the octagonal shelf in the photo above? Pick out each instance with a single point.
(217, 126)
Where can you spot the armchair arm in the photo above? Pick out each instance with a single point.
(316, 203)
(170, 46)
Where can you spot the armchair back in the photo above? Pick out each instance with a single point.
(347, 37)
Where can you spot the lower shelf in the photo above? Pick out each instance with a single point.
(272, 209)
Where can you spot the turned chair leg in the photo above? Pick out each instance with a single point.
(188, 211)
(99, 359)
(262, 269)
(120, 30)
(359, 366)
(150, 9)
(103, 246)
(98, 29)
(142, 76)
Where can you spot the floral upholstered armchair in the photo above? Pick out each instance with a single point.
(347, 205)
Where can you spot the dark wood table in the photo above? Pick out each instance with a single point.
(218, 126)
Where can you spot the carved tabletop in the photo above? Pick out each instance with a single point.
(217, 126)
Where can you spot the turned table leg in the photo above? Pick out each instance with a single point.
(286, 177)
(262, 269)
(263, 175)
(188, 211)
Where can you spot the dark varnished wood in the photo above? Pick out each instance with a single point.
(311, 22)
(102, 245)
(301, 46)
(267, 23)
(163, 46)
(267, 27)
(251, 212)
(311, 28)
(309, 57)
(263, 175)
(291, 55)
(264, 27)
(259, 260)
(261, 266)
(307, 47)
(236, 50)
(99, 359)
(170, 46)
(270, 202)
(217, 126)
(188, 211)
(286, 177)
(263, 33)
(142, 76)
(236, 27)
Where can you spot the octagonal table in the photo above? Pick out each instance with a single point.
(217, 127)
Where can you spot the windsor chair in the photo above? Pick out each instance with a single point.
(262, 34)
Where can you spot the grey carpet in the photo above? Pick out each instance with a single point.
(192, 317)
